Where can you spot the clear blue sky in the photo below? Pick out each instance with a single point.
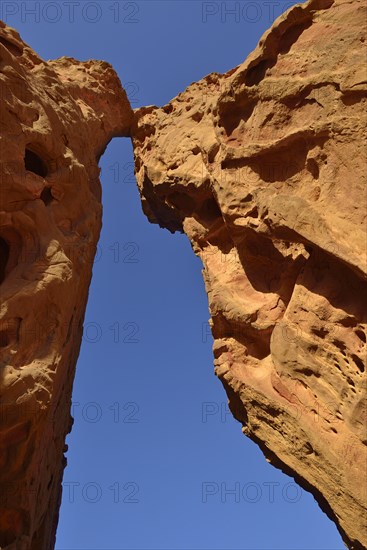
(154, 454)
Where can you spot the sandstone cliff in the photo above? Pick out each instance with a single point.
(264, 168)
(56, 119)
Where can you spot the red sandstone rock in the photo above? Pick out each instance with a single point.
(56, 119)
(264, 168)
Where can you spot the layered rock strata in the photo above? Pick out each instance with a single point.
(56, 119)
(264, 169)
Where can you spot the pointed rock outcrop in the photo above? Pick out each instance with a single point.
(264, 169)
(56, 119)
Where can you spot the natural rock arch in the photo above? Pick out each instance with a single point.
(287, 317)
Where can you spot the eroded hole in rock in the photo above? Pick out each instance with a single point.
(168, 108)
(253, 213)
(259, 347)
(320, 332)
(256, 342)
(291, 36)
(46, 196)
(276, 165)
(231, 114)
(340, 345)
(4, 258)
(256, 74)
(351, 97)
(34, 163)
(182, 202)
(313, 168)
(210, 211)
(197, 116)
(213, 151)
(9, 331)
(306, 371)
(4, 339)
(10, 249)
(348, 322)
(358, 362)
(12, 48)
(361, 335)
(266, 269)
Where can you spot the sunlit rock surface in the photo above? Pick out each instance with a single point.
(264, 168)
(56, 118)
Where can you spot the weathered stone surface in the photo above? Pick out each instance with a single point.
(264, 168)
(56, 119)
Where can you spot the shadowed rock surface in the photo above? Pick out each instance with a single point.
(264, 168)
(56, 119)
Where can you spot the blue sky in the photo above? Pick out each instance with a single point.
(155, 460)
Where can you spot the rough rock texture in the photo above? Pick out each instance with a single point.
(264, 168)
(55, 120)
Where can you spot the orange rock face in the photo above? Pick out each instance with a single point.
(56, 119)
(264, 168)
